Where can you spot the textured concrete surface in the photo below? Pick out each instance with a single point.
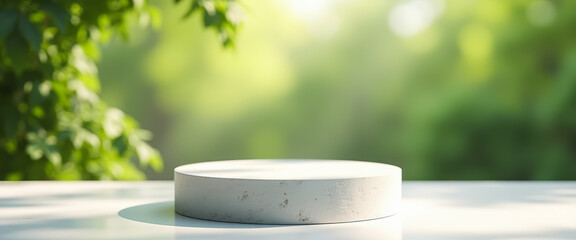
(287, 191)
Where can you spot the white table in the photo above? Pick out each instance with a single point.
(144, 210)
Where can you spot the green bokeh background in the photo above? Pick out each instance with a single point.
(478, 89)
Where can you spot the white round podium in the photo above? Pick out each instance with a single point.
(287, 191)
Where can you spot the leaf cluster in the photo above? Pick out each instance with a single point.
(224, 16)
(53, 125)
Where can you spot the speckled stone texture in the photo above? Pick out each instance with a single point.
(287, 191)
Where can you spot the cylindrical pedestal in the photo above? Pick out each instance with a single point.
(287, 191)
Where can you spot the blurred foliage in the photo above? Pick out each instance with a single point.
(495, 94)
(446, 89)
(53, 124)
(477, 89)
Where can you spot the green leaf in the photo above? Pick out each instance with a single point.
(91, 50)
(234, 14)
(212, 19)
(61, 93)
(36, 89)
(47, 69)
(54, 157)
(8, 19)
(31, 33)
(37, 95)
(121, 144)
(113, 123)
(81, 135)
(90, 81)
(193, 7)
(34, 151)
(10, 119)
(155, 17)
(36, 145)
(41, 145)
(156, 162)
(17, 50)
(145, 153)
(228, 43)
(11, 146)
(60, 16)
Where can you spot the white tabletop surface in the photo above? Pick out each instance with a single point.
(144, 210)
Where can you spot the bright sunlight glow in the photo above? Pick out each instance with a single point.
(411, 17)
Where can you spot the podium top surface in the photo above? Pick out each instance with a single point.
(288, 169)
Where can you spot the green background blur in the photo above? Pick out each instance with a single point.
(456, 89)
